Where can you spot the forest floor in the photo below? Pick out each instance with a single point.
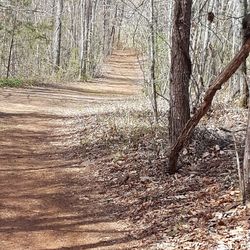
(82, 166)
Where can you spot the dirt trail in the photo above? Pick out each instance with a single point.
(50, 197)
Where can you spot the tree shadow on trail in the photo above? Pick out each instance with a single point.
(47, 189)
(107, 243)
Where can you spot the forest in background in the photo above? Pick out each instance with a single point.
(70, 39)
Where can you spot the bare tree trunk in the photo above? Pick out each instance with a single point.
(57, 35)
(245, 89)
(106, 26)
(87, 36)
(246, 165)
(11, 45)
(83, 37)
(180, 71)
(113, 30)
(92, 49)
(86, 7)
(208, 98)
(120, 25)
(92, 42)
(153, 63)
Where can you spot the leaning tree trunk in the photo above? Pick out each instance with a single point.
(208, 98)
(180, 71)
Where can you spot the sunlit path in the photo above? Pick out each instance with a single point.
(50, 197)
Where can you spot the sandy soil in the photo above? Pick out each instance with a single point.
(51, 197)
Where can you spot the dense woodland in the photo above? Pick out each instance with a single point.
(191, 54)
(72, 38)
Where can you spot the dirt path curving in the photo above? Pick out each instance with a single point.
(51, 197)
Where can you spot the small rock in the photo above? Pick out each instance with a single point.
(206, 154)
(145, 179)
(185, 152)
(222, 246)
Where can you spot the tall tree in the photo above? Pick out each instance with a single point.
(57, 35)
(12, 40)
(153, 62)
(106, 26)
(180, 71)
(86, 9)
(181, 67)
(245, 89)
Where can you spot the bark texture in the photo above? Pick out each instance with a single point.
(246, 167)
(57, 35)
(180, 68)
(245, 32)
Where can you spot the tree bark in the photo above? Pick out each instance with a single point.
(57, 35)
(246, 166)
(245, 89)
(153, 63)
(11, 46)
(121, 16)
(180, 71)
(106, 26)
(208, 98)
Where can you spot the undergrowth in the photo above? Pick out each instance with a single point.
(115, 130)
(178, 210)
(10, 82)
(17, 82)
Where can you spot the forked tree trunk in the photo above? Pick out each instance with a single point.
(208, 98)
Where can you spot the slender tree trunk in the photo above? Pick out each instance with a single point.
(87, 36)
(180, 71)
(113, 30)
(153, 63)
(120, 25)
(86, 7)
(57, 35)
(246, 166)
(11, 45)
(106, 26)
(82, 40)
(245, 89)
(92, 44)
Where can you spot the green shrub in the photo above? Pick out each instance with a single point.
(10, 82)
